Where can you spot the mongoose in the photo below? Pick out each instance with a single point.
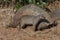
(30, 9)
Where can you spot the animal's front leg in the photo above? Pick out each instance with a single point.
(36, 28)
(35, 24)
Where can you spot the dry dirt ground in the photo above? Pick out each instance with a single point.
(24, 34)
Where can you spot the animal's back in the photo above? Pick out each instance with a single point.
(29, 10)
